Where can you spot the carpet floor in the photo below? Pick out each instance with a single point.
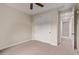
(39, 48)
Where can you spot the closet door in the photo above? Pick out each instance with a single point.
(42, 28)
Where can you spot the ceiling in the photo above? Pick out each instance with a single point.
(25, 7)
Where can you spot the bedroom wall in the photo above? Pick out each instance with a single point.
(15, 27)
(40, 21)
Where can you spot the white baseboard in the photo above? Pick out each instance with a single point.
(51, 43)
(47, 43)
(20, 42)
(54, 44)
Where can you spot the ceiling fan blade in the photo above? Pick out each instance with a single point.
(31, 6)
(39, 4)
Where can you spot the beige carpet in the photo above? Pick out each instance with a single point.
(39, 48)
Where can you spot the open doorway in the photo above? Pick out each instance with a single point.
(67, 32)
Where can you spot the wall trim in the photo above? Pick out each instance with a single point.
(53, 44)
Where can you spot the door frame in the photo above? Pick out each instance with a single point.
(75, 28)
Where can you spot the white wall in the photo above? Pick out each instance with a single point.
(15, 26)
(40, 22)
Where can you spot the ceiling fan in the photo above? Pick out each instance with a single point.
(39, 4)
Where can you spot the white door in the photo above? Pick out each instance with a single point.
(42, 29)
